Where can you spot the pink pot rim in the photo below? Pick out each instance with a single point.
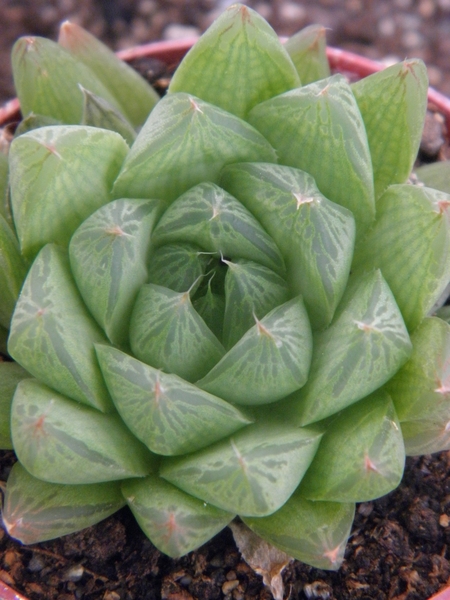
(173, 52)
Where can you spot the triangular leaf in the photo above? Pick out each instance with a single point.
(177, 266)
(307, 50)
(436, 175)
(97, 112)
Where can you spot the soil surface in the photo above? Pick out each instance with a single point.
(400, 544)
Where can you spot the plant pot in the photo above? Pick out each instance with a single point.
(170, 53)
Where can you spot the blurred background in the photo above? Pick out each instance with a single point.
(387, 30)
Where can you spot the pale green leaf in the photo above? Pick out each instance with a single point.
(35, 511)
(307, 50)
(319, 129)
(61, 441)
(270, 361)
(108, 257)
(252, 473)
(314, 532)
(435, 175)
(169, 415)
(211, 308)
(10, 375)
(315, 236)
(167, 333)
(186, 141)
(177, 266)
(34, 121)
(53, 335)
(13, 269)
(361, 456)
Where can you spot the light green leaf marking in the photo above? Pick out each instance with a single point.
(364, 347)
(314, 532)
(13, 269)
(108, 257)
(210, 217)
(271, 360)
(421, 390)
(237, 63)
(175, 522)
(168, 333)
(134, 95)
(178, 267)
(307, 50)
(59, 176)
(97, 112)
(169, 415)
(410, 243)
(252, 473)
(251, 290)
(361, 456)
(10, 375)
(61, 441)
(53, 335)
(186, 141)
(393, 103)
(319, 129)
(315, 236)
(35, 511)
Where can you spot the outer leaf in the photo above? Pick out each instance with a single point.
(254, 472)
(97, 112)
(135, 96)
(34, 121)
(179, 267)
(35, 511)
(313, 532)
(59, 176)
(315, 236)
(363, 348)
(210, 217)
(271, 360)
(167, 332)
(319, 129)
(307, 50)
(410, 243)
(421, 390)
(361, 456)
(10, 375)
(3, 185)
(237, 63)
(393, 103)
(61, 441)
(13, 269)
(251, 291)
(53, 335)
(3, 340)
(169, 415)
(108, 257)
(186, 141)
(175, 522)
(436, 175)
(47, 80)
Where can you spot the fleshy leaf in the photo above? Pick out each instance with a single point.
(34, 121)
(59, 176)
(213, 219)
(10, 375)
(97, 112)
(252, 473)
(364, 347)
(169, 415)
(53, 335)
(361, 456)
(178, 266)
(211, 308)
(436, 175)
(314, 532)
(319, 129)
(174, 521)
(47, 79)
(108, 257)
(3, 184)
(134, 95)
(410, 243)
(35, 511)
(270, 361)
(167, 332)
(251, 290)
(393, 103)
(421, 390)
(12, 272)
(61, 441)
(315, 236)
(307, 50)
(186, 141)
(237, 63)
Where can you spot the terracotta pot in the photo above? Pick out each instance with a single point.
(170, 53)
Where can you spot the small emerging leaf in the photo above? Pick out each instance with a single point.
(307, 50)
(97, 112)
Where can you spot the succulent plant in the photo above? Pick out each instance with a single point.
(218, 302)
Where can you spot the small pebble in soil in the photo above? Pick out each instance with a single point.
(36, 563)
(317, 590)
